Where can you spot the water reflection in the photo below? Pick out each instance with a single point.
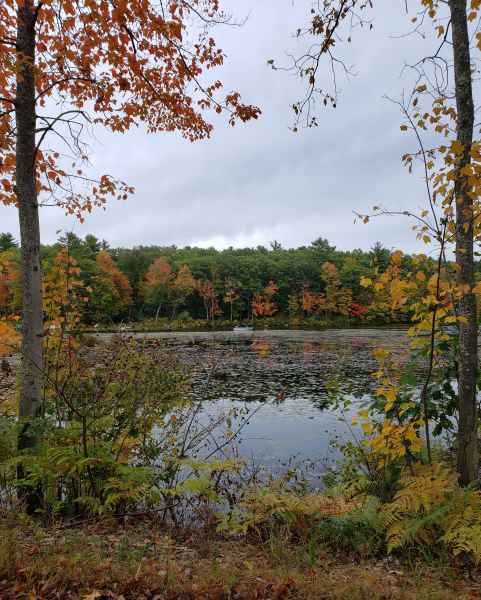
(274, 366)
(289, 375)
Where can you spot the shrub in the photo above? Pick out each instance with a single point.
(104, 408)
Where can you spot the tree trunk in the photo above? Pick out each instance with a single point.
(468, 459)
(32, 329)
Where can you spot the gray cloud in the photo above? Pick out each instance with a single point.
(258, 182)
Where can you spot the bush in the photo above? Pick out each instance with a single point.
(104, 408)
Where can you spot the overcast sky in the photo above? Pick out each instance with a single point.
(260, 182)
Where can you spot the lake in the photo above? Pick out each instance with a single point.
(284, 378)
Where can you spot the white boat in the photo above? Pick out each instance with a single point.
(242, 329)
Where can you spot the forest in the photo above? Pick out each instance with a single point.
(251, 423)
(311, 285)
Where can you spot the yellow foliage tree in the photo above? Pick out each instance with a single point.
(337, 299)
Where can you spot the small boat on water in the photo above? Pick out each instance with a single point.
(242, 329)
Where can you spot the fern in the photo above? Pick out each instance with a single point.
(423, 490)
(465, 539)
(462, 524)
(431, 508)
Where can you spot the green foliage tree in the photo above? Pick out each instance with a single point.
(7, 242)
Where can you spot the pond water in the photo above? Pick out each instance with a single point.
(283, 378)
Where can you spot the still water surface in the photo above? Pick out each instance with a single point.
(285, 378)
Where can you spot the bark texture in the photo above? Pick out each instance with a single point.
(468, 458)
(32, 329)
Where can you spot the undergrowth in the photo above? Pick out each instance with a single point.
(139, 560)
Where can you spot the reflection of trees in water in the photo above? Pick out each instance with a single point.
(274, 369)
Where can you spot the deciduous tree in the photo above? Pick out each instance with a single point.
(119, 280)
(451, 168)
(210, 299)
(337, 299)
(65, 65)
(157, 283)
(8, 279)
(263, 304)
(230, 295)
(182, 287)
(310, 301)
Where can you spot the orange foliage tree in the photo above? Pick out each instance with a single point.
(65, 64)
(309, 300)
(9, 338)
(8, 278)
(156, 285)
(210, 298)
(63, 295)
(182, 287)
(263, 304)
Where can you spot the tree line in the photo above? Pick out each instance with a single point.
(152, 282)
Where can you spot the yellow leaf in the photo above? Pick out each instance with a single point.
(381, 354)
(390, 394)
(457, 147)
(411, 435)
(367, 428)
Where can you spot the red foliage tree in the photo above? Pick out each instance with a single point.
(357, 311)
